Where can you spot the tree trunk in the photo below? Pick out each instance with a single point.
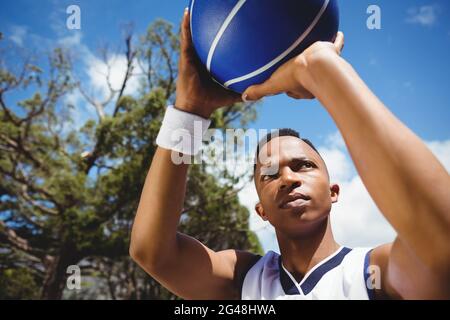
(56, 273)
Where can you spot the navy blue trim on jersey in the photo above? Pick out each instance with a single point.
(288, 286)
(310, 282)
(370, 291)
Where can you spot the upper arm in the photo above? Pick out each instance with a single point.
(404, 276)
(193, 271)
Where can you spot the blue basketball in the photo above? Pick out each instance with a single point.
(242, 42)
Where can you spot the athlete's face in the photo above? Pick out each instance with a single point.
(293, 186)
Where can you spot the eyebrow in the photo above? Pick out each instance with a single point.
(303, 159)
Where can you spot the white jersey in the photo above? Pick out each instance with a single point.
(343, 275)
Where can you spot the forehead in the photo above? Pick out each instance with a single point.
(283, 149)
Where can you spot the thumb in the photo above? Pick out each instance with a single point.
(339, 42)
(186, 40)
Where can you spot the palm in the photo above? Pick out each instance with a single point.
(195, 87)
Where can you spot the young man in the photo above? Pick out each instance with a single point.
(408, 184)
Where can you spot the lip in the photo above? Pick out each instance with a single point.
(294, 200)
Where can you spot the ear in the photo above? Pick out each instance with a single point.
(260, 211)
(334, 192)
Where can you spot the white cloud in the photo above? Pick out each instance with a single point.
(57, 18)
(97, 71)
(74, 98)
(424, 15)
(18, 34)
(93, 76)
(442, 151)
(89, 69)
(355, 218)
(338, 164)
(72, 41)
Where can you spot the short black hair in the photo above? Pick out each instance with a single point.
(285, 132)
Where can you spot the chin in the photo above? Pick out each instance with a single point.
(307, 222)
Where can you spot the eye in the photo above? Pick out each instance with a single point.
(268, 177)
(307, 165)
(303, 165)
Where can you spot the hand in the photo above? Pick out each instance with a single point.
(293, 77)
(196, 91)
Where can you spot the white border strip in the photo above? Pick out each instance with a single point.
(222, 30)
(285, 53)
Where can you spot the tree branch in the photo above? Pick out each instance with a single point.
(130, 54)
(10, 236)
(34, 203)
(20, 148)
(7, 112)
(24, 181)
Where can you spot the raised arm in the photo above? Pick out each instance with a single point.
(406, 181)
(181, 263)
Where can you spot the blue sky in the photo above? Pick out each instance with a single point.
(406, 64)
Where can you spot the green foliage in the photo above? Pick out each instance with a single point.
(18, 284)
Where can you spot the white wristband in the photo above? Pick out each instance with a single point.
(182, 131)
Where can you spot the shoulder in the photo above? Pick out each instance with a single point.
(379, 262)
(260, 276)
(241, 262)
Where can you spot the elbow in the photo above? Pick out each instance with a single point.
(145, 258)
(138, 255)
(138, 252)
(135, 253)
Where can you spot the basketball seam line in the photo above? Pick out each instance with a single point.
(190, 17)
(221, 31)
(284, 54)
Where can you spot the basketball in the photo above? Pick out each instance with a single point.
(242, 42)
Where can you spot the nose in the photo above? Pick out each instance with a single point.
(289, 179)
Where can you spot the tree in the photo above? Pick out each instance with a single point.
(69, 196)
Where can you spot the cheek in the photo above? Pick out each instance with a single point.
(268, 199)
(321, 188)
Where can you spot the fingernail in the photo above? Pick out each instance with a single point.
(186, 10)
(245, 97)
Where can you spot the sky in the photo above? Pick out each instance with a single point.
(406, 63)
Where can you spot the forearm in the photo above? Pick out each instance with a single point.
(404, 178)
(155, 226)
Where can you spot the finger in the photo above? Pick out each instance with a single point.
(293, 95)
(186, 41)
(256, 92)
(234, 98)
(300, 95)
(308, 96)
(339, 42)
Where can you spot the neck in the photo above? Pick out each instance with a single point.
(301, 253)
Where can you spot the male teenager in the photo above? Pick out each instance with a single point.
(408, 184)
